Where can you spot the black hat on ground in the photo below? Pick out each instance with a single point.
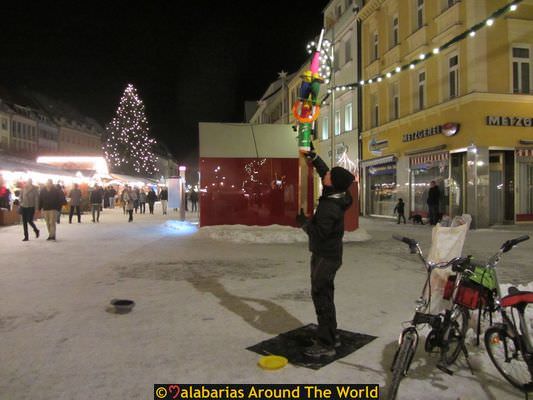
(341, 178)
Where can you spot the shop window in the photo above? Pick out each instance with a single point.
(348, 117)
(382, 193)
(395, 38)
(453, 76)
(521, 70)
(430, 168)
(337, 122)
(325, 128)
(525, 186)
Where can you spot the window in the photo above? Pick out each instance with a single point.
(374, 110)
(453, 82)
(338, 11)
(395, 103)
(4, 123)
(395, 32)
(375, 46)
(448, 3)
(336, 60)
(348, 117)
(421, 90)
(325, 128)
(419, 14)
(348, 51)
(521, 70)
(337, 122)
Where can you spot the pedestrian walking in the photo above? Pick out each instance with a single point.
(29, 202)
(75, 203)
(325, 230)
(50, 200)
(163, 196)
(134, 194)
(128, 201)
(95, 198)
(152, 198)
(433, 202)
(62, 201)
(400, 209)
(194, 200)
(112, 193)
(142, 201)
(122, 200)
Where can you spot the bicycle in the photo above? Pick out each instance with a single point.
(509, 346)
(448, 327)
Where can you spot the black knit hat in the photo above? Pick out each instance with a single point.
(341, 178)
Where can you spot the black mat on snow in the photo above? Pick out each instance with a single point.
(293, 343)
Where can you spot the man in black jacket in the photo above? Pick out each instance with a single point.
(326, 230)
(50, 200)
(433, 202)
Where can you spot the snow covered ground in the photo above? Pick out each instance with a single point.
(200, 301)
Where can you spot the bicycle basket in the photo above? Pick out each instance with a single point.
(471, 295)
(448, 288)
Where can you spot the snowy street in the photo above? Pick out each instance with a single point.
(201, 302)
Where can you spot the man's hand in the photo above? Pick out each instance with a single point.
(301, 219)
(310, 155)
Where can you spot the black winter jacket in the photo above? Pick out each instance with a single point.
(50, 199)
(326, 227)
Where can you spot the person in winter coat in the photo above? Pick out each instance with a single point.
(75, 203)
(29, 202)
(134, 194)
(326, 230)
(400, 209)
(129, 202)
(96, 197)
(433, 202)
(62, 202)
(194, 200)
(112, 193)
(152, 198)
(50, 200)
(163, 196)
(142, 201)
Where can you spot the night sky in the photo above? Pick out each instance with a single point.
(190, 62)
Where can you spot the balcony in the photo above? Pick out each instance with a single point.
(448, 24)
(391, 57)
(417, 39)
(372, 69)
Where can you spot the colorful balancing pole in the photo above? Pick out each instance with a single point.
(306, 109)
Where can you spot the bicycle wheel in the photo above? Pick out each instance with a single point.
(404, 356)
(506, 355)
(454, 334)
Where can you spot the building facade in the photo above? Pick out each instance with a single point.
(5, 126)
(337, 126)
(463, 117)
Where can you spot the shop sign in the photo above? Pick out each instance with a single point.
(524, 122)
(447, 129)
(376, 146)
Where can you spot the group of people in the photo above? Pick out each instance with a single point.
(50, 199)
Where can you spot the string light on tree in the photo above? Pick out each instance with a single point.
(128, 148)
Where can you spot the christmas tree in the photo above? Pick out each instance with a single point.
(127, 146)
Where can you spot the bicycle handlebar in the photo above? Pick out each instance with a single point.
(508, 245)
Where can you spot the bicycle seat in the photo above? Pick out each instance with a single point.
(516, 298)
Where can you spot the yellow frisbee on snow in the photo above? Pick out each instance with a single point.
(272, 362)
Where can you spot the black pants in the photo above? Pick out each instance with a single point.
(71, 213)
(27, 218)
(433, 213)
(151, 207)
(323, 271)
(194, 205)
(130, 212)
(400, 215)
(143, 207)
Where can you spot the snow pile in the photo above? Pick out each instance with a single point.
(267, 234)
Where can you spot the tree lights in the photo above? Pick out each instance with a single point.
(128, 148)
